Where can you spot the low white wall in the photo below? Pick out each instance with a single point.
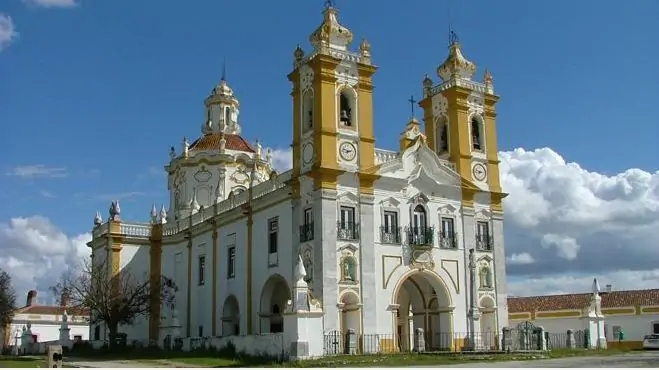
(254, 345)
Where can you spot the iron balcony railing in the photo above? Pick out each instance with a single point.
(448, 240)
(420, 236)
(484, 242)
(306, 232)
(389, 235)
(347, 230)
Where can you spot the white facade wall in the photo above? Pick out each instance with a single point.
(135, 264)
(46, 327)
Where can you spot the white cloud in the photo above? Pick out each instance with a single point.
(35, 252)
(52, 3)
(7, 31)
(520, 259)
(564, 226)
(37, 170)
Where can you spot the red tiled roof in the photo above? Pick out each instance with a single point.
(212, 141)
(52, 310)
(621, 298)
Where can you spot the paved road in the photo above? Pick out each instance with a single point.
(632, 359)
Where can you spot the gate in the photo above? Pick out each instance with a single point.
(525, 337)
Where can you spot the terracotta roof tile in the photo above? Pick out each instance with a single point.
(212, 141)
(52, 310)
(621, 298)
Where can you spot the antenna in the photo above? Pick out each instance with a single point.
(224, 69)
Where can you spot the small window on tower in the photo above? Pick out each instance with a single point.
(227, 116)
(443, 144)
(345, 110)
(476, 134)
(307, 111)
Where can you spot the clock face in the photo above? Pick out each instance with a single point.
(479, 172)
(347, 151)
(307, 153)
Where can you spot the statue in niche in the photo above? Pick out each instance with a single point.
(308, 266)
(348, 269)
(486, 277)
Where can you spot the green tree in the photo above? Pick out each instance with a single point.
(7, 299)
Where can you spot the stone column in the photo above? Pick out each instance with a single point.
(571, 342)
(351, 342)
(419, 340)
(368, 283)
(499, 266)
(506, 339)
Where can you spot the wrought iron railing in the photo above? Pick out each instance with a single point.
(484, 242)
(389, 235)
(306, 232)
(420, 236)
(347, 230)
(448, 240)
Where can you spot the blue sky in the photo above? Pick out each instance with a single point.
(101, 90)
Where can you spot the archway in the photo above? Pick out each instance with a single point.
(488, 323)
(350, 312)
(230, 317)
(274, 296)
(423, 302)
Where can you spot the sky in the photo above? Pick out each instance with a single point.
(94, 92)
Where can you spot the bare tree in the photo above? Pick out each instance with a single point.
(7, 299)
(114, 300)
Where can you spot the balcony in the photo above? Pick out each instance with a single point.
(484, 243)
(347, 231)
(420, 236)
(389, 235)
(306, 232)
(448, 240)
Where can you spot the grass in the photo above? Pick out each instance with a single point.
(379, 360)
(21, 362)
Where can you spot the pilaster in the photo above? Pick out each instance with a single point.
(325, 255)
(188, 305)
(368, 279)
(500, 282)
(216, 263)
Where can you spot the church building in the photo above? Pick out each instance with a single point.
(390, 241)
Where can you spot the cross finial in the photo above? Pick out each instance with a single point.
(412, 103)
(329, 4)
(224, 69)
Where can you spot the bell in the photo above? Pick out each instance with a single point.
(344, 116)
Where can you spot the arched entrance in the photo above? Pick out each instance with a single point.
(488, 323)
(230, 317)
(274, 296)
(350, 312)
(423, 302)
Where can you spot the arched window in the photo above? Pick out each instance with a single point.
(443, 138)
(307, 112)
(345, 109)
(476, 134)
(227, 116)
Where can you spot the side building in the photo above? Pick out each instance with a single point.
(634, 312)
(391, 241)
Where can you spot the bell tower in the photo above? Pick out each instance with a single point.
(332, 105)
(460, 122)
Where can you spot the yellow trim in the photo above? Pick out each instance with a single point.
(366, 130)
(155, 270)
(557, 314)
(619, 311)
(519, 316)
(654, 309)
(638, 310)
(215, 266)
(188, 317)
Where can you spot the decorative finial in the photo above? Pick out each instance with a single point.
(172, 152)
(596, 287)
(163, 215)
(185, 145)
(298, 54)
(98, 220)
(329, 4)
(268, 156)
(115, 210)
(194, 204)
(154, 214)
(365, 48)
(259, 148)
(412, 103)
(300, 271)
(223, 142)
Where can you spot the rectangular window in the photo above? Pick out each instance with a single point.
(448, 227)
(347, 217)
(201, 269)
(273, 231)
(231, 261)
(655, 327)
(482, 230)
(390, 221)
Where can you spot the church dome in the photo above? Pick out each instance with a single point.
(331, 32)
(456, 65)
(211, 141)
